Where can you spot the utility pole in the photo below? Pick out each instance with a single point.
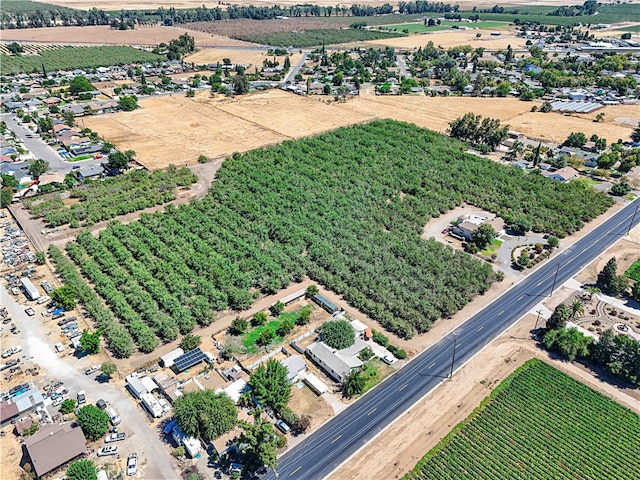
(453, 353)
(539, 312)
(555, 277)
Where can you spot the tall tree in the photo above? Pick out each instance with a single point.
(80, 84)
(260, 440)
(607, 276)
(483, 236)
(93, 421)
(37, 167)
(90, 342)
(337, 334)
(559, 317)
(353, 384)
(576, 308)
(82, 470)
(205, 414)
(270, 384)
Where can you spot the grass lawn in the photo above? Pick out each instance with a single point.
(538, 423)
(249, 339)
(493, 248)
(634, 271)
(374, 371)
(446, 25)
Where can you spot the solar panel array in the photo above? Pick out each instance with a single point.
(578, 107)
(189, 359)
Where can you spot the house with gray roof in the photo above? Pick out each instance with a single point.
(336, 363)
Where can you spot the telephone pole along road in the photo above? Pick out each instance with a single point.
(333, 443)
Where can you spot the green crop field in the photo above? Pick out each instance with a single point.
(445, 25)
(606, 14)
(634, 271)
(70, 58)
(539, 424)
(312, 38)
(108, 198)
(22, 7)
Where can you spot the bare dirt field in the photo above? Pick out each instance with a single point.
(453, 38)
(237, 56)
(104, 35)
(175, 129)
(232, 28)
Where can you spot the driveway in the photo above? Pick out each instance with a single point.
(142, 437)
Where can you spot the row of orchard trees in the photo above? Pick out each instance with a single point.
(346, 208)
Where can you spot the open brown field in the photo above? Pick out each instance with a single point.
(175, 129)
(237, 56)
(104, 35)
(453, 38)
(152, 4)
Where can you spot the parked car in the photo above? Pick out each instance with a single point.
(108, 450)
(59, 347)
(46, 286)
(30, 311)
(115, 437)
(92, 369)
(16, 349)
(101, 404)
(388, 360)
(6, 320)
(282, 426)
(132, 464)
(15, 290)
(7, 353)
(57, 401)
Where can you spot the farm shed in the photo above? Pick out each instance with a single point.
(293, 296)
(324, 303)
(168, 359)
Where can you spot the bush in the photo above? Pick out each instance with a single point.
(289, 416)
(202, 159)
(67, 406)
(380, 338)
(178, 452)
(239, 325)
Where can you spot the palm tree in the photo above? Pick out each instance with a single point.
(592, 292)
(576, 308)
(515, 150)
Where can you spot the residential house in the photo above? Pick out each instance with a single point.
(53, 446)
(336, 363)
(565, 174)
(295, 365)
(89, 171)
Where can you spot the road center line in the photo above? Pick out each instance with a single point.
(372, 410)
(431, 366)
(335, 440)
(403, 387)
(295, 471)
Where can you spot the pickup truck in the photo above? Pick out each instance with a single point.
(108, 450)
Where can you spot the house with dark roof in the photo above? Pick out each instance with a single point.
(53, 446)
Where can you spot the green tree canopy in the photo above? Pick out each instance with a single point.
(37, 167)
(239, 325)
(80, 84)
(90, 342)
(205, 414)
(353, 383)
(127, 103)
(338, 334)
(67, 405)
(607, 276)
(559, 317)
(576, 139)
(260, 441)
(108, 369)
(65, 297)
(240, 84)
(93, 421)
(483, 236)
(571, 343)
(190, 341)
(270, 384)
(82, 470)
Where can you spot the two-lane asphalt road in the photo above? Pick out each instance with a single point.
(317, 456)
